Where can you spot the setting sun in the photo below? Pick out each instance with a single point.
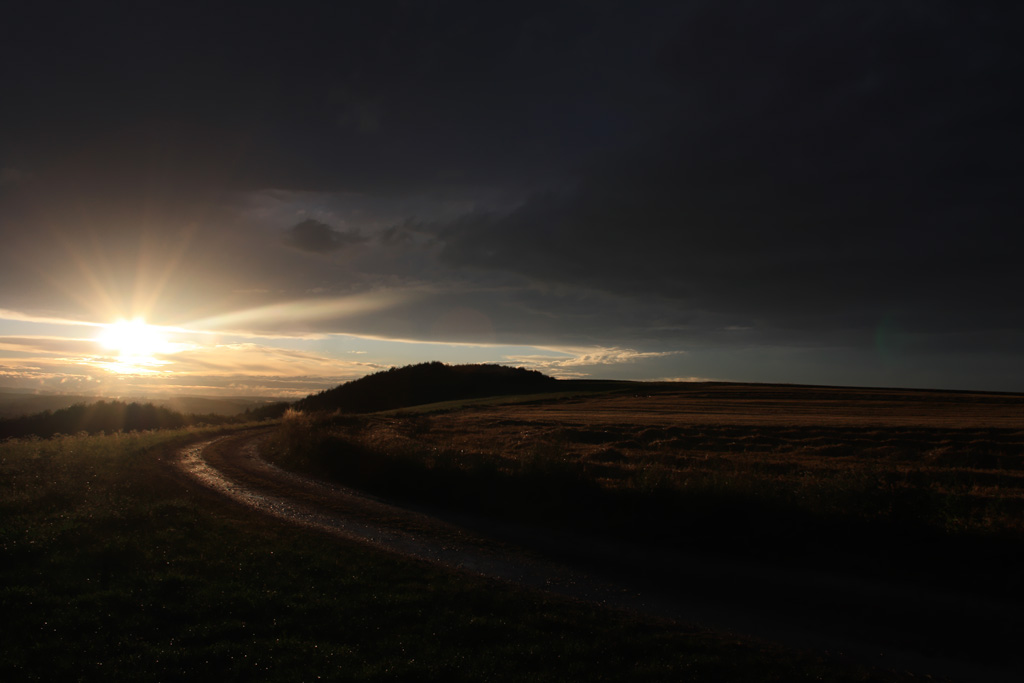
(135, 342)
(132, 338)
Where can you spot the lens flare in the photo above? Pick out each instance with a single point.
(137, 345)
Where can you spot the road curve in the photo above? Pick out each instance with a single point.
(872, 623)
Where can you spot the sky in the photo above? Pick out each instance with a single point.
(293, 195)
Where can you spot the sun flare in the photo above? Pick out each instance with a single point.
(136, 343)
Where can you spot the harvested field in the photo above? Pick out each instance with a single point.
(800, 443)
(794, 406)
(899, 480)
(918, 491)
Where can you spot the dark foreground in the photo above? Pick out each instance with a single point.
(114, 567)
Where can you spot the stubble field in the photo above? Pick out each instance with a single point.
(910, 481)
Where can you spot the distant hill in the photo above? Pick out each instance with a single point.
(102, 416)
(14, 403)
(215, 405)
(94, 416)
(427, 383)
(17, 403)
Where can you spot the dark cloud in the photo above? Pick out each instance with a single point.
(313, 236)
(318, 95)
(851, 164)
(732, 175)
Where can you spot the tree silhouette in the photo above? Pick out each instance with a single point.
(427, 383)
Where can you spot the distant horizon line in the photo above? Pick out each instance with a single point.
(29, 391)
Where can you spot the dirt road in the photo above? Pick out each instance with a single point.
(894, 627)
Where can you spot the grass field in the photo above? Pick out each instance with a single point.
(928, 485)
(113, 567)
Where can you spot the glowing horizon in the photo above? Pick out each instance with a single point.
(133, 356)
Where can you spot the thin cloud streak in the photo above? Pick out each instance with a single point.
(585, 362)
(48, 344)
(6, 314)
(274, 320)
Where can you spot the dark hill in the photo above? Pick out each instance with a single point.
(427, 383)
(102, 416)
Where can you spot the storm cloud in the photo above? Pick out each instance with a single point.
(314, 236)
(799, 191)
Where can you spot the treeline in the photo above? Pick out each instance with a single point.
(103, 416)
(427, 383)
(271, 411)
